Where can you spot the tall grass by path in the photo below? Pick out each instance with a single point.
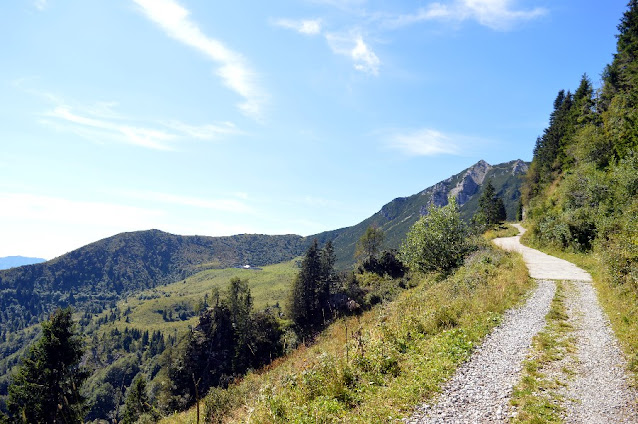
(377, 367)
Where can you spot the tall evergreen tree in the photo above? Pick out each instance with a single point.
(136, 403)
(491, 208)
(304, 306)
(46, 388)
(308, 304)
(328, 273)
(619, 100)
(240, 305)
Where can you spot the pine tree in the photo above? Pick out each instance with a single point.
(328, 273)
(240, 305)
(491, 208)
(136, 403)
(304, 303)
(46, 388)
(308, 304)
(619, 100)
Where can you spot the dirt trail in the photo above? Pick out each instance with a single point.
(600, 390)
(480, 390)
(542, 266)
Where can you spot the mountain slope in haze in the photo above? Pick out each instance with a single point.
(398, 216)
(91, 276)
(16, 261)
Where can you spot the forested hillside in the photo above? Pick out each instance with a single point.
(398, 216)
(581, 194)
(94, 278)
(581, 190)
(89, 277)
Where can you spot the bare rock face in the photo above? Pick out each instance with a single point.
(471, 182)
(520, 167)
(465, 188)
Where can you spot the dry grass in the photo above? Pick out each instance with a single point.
(377, 367)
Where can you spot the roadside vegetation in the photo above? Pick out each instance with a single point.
(581, 193)
(376, 360)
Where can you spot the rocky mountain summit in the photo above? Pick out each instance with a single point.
(396, 217)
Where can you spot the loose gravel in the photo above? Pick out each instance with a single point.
(481, 387)
(599, 392)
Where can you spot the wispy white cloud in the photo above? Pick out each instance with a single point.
(203, 132)
(223, 205)
(303, 26)
(499, 15)
(234, 71)
(423, 142)
(101, 124)
(140, 136)
(353, 47)
(40, 4)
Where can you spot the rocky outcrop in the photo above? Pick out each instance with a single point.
(519, 167)
(471, 182)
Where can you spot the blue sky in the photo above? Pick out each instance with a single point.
(218, 118)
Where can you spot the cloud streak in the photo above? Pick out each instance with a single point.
(423, 142)
(498, 15)
(101, 124)
(233, 70)
(304, 26)
(221, 205)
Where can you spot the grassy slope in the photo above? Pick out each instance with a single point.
(377, 367)
(268, 286)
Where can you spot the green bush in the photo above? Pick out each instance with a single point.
(437, 241)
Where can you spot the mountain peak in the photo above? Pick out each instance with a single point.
(471, 182)
(519, 167)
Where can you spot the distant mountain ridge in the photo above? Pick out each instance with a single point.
(398, 216)
(92, 276)
(16, 261)
(105, 270)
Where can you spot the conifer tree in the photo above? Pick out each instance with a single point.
(304, 302)
(136, 403)
(46, 388)
(491, 208)
(240, 305)
(619, 100)
(308, 303)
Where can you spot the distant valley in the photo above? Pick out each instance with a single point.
(16, 261)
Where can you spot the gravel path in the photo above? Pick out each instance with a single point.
(479, 392)
(600, 392)
(480, 389)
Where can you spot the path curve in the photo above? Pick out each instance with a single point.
(541, 265)
(480, 390)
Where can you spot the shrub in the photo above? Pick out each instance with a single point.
(437, 241)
